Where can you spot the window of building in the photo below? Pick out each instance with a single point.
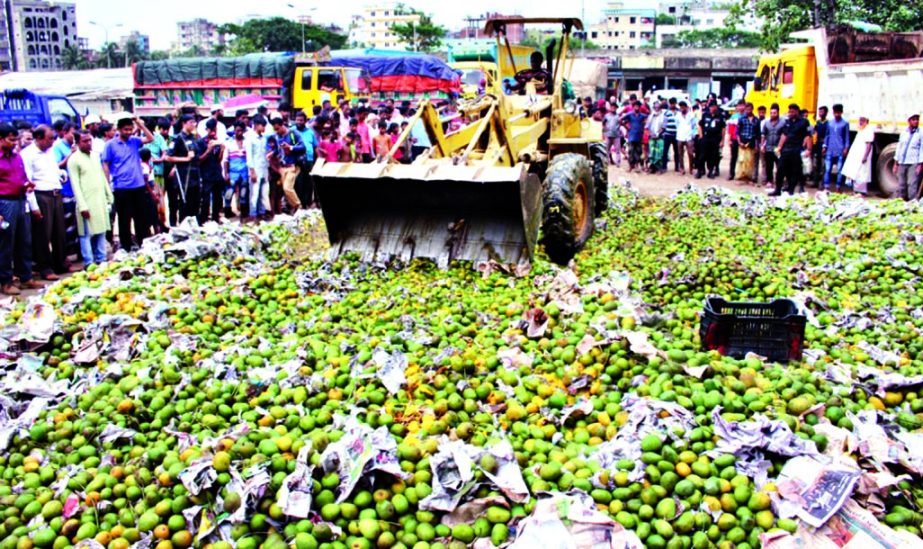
(32, 64)
(618, 33)
(27, 23)
(709, 21)
(672, 9)
(373, 14)
(386, 14)
(633, 20)
(31, 49)
(631, 34)
(54, 37)
(593, 34)
(616, 19)
(64, 15)
(57, 49)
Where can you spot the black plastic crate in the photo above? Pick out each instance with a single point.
(774, 330)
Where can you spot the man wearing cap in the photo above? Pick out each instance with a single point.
(222, 130)
(16, 235)
(908, 159)
(48, 231)
(122, 165)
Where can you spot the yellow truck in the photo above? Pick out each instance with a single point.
(486, 61)
(878, 75)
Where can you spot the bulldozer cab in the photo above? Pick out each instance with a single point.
(477, 193)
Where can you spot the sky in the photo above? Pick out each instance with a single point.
(158, 19)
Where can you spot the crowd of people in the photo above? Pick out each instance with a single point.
(783, 151)
(62, 185)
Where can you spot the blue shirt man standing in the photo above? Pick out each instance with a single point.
(122, 164)
(836, 146)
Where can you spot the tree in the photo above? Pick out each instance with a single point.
(133, 53)
(665, 19)
(424, 35)
(782, 17)
(541, 41)
(277, 34)
(714, 38)
(109, 56)
(73, 59)
(159, 55)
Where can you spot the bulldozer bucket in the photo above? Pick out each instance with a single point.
(433, 209)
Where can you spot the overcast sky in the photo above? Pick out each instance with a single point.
(158, 18)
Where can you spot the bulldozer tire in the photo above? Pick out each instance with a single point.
(600, 158)
(567, 206)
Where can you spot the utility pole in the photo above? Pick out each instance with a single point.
(106, 45)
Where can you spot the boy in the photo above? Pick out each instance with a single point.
(382, 141)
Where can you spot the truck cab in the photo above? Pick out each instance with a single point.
(789, 76)
(24, 105)
(314, 84)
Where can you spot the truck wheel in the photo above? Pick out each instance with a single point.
(887, 181)
(600, 176)
(567, 206)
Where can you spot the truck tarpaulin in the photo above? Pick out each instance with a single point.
(253, 70)
(405, 74)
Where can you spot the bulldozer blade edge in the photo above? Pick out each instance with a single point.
(442, 212)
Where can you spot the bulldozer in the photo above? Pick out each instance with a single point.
(521, 162)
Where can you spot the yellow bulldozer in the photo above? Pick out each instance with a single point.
(524, 161)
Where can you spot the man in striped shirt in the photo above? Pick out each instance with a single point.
(669, 136)
(236, 172)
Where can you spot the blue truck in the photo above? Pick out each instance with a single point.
(23, 105)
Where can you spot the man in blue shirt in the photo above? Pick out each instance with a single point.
(288, 149)
(304, 185)
(908, 159)
(835, 146)
(635, 120)
(122, 164)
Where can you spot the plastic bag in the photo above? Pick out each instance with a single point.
(744, 168)
(807, 163)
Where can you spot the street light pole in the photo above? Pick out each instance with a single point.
(302, 20)
(106, 45)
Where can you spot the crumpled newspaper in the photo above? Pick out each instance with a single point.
(38, 322)
(454, 467)
(750, 440)
(13, 424)
(571, 521)
(198, 476)
(852, 527)
(644, 417)
(391, 367)
(109, 336)
(111, 433)
(250, 487)
(815, 491)
(294, 496)
(360, 451)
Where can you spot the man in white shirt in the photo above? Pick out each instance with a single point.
(222, 130)
(686, 129)
(258, 166)
(48, 232)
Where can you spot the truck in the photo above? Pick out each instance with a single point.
(161, 87)
(302, 80)
(485, 60)
(878, 75)
(26, 106)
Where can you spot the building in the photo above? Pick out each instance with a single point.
(624, 28)
(6, 38)
(143, 41)
(474, 28)
(199, 33)
(36, 33)
(701, 19)
(371, 28)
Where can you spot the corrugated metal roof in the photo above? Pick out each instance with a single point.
(95, 83)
